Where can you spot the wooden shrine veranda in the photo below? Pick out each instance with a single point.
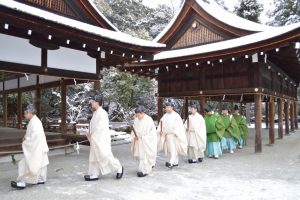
(213, 55)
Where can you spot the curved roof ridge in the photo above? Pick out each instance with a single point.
(212, 8)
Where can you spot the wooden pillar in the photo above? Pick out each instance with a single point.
(286, 117)
(271, 118)
(5, 110)
(19, 110)
(97, 84)
(296, 114)
(38, 97)
(267, 113)
(186, 108)
(63, 113)
(292, 116)
(280, 119)
(160, 108)
(258, 118)
(202, 102)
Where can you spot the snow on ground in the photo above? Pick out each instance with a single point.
(273, 174)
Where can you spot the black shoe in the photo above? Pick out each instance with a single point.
(175, 165)
(200, 159)
(119, 175)
(191, 161)
(40, 183)
(88, 178)
(14, 184)
(167, 164)
(141, 174)
(153, 166)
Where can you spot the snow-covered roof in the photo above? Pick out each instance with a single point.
(228, 44)
(101, 14)
(217, 12)
(98, 31)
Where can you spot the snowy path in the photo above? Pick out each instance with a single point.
(274, 174)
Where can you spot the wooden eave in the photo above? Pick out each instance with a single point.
(20, 23)
(285, 59)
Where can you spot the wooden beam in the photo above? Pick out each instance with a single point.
(292, 116)
(42, 86)
(97, 84)
(280, 119)
(63, 112)
(202, 102)
(38, 97)
(271, 118)
(286, 117)
(33, 69)
(160, 108)
(258, 118)
(19, 110)
(296, 114)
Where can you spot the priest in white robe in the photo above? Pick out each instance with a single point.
(33, 167)
(101, 159)
(144, 142)
(196, 136)
(172, 137)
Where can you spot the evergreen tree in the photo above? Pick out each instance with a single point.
(249, 9)
(134, 18)
(285, 12)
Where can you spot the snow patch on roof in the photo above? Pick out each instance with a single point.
(98, 31)
(228, 44)
(215, 10)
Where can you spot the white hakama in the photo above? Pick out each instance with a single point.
(33, 167)
(101, 159)
(196, 136)
(144, 146)
(173, 138)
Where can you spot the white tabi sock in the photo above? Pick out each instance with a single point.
(21, 184)
(93, 176)
(120, 170)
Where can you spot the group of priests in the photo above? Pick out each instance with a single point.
(212, 134)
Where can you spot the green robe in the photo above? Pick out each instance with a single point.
(211, 129)
(227, 126)
(242, 125)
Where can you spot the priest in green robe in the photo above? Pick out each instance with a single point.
(242, 125)
(229, 129)
(213, 145)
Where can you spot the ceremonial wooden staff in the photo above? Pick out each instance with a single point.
(133, 130)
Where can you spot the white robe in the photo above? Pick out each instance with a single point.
(144, 146)
(196, 135)
(33, 167)
(173, 131)
(101, 159)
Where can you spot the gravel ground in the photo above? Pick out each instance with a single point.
(273, 174)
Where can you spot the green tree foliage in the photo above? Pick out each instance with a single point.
(128, 90)
(249, 9)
